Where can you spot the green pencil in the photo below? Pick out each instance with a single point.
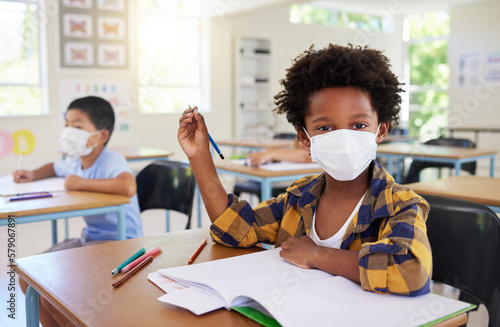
(129, 260)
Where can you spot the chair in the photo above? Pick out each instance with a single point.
(465, 242)
(167, 185)
(417, 166)
(253, 187)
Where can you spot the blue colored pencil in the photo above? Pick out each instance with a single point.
(212, 141)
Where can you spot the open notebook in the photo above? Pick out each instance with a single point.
(274, 292)
(9, 187)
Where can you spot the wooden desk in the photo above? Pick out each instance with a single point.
(482, 190)
(265, 177)
(432, 153)
(256, 144)
(66, 204)
(136, 154)
(475, 129)
(78, 282)
(398, 138)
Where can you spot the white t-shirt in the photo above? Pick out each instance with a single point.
(335, 240)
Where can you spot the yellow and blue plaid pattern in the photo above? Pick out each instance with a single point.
(389, 230)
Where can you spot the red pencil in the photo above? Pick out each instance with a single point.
(139, 266)
(140, 259)
(197, 251)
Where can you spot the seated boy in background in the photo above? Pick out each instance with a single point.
(298, 152)
(89, 124)
(353, 220)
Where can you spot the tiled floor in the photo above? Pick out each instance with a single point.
(34, 238)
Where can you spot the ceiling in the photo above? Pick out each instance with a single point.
(235, 7)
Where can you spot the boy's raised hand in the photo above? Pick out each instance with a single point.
(193, 134)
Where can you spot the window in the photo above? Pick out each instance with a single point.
(21, 82)
(171, 65)
(427, 71)
(325, 14)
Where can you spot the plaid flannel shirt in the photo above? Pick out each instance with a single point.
(389, 230)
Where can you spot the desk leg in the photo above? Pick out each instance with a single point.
(458, 167)
(54, 231)
(198, 203)
(390, 168)
(492, 166)
(265, 190)
(32, 319)
(167, 222)
(66, 227)
(121, 222)
(398, 177)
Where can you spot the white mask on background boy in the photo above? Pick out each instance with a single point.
(74, 142)
(344, 153)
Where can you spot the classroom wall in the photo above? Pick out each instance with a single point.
(474, 29)
(288, 41)
(147, 130)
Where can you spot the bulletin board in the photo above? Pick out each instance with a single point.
(94, 34)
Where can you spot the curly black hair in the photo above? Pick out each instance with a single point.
(365, 69)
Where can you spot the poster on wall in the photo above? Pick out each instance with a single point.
(118, 94)
(93, 34)
(469, 69)
(79, 53)
(115, 5)
(77, 3)
(492, 71)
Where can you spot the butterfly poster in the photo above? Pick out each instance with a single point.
(77, 3)
(111, 55)
(79, 26)
(113, 5)
(78, 54)
(111, 28)
(93, 34)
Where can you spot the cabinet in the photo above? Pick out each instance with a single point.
(253, 97)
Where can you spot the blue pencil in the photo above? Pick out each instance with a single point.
(212, 141)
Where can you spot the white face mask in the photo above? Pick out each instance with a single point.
(344, 153)
(74, 142)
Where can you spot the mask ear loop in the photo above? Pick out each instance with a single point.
(376, 133)
(308, 133)
(93, 146)
(310, 140)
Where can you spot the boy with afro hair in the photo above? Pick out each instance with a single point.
(353, 220)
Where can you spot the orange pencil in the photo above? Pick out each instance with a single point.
(197, 251)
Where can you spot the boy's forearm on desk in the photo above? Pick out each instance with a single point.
(213, 193)
(44, 171)
(292, 155)
(124, 184)
(338, 262)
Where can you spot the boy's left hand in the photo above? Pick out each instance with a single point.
(301, 251)
(73, 183)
